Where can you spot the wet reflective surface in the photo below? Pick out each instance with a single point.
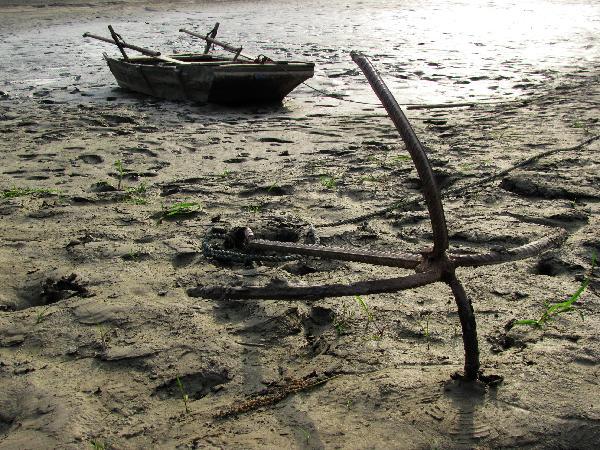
(427, 51)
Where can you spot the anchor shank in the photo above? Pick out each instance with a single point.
(406, 260)
(307, 293)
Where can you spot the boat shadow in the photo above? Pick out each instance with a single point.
(216, 112)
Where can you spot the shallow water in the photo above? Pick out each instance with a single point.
(427, 51)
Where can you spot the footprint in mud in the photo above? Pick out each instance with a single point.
(443, 178)
(185, 252)
(281, 325)
(318, 321)
(551, 265)
(274, 140)
(141, 150)
(234, 311)
(274, 189)
(118, 119)
(195, 385)
(534, 187)
(236, 160)
(28, 156)
(102, 186)
(572, 220)
(91, 159)
(31, 415)
(460, 410)
(48, 289)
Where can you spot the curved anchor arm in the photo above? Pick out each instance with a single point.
(304, 293)
(513, 254)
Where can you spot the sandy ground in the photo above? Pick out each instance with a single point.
(94, 358)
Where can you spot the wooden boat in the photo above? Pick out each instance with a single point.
(210, 79)
(201, 77)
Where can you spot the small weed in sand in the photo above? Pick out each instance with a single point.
(136, 195)
(226, 173)
(468, 167)
(554, 309)
(255, 208)
(305, 434)
(137, 200)
(22, 192)
(41, 316)
(97, 445)
(140, 189)
(179, 210)
(424, 327)
(398, 159)
(373, 178)
(345, 316)
(133, 255)
(184, 397)
(365, 309)
(120, 172)
(104, 334)
(342, 320)
(370, 320)
(329, 181)
(272, 187)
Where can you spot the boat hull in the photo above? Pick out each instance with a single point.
(215, 81)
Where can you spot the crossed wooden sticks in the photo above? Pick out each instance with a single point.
(431, 265)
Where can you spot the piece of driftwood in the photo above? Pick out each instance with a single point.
(432, 265)
(272, 396)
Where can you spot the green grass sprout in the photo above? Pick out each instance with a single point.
(424, 328)
(365, 309)
(137, 194)
(41, 316)
(184, 397)
(400, 158)
(273, 186)
(305, 434)
(97, 445)
(371, 320)
(342, 319)
(104, 334)
(329, 181)
(120, 172)
(180, 210)
(254, 208)
(553, 310)
(15, 192)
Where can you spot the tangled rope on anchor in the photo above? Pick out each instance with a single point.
(228, 247)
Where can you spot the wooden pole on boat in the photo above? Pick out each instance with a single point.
(117, 38)
(212, 34)
(143, 51)
(229, 48)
